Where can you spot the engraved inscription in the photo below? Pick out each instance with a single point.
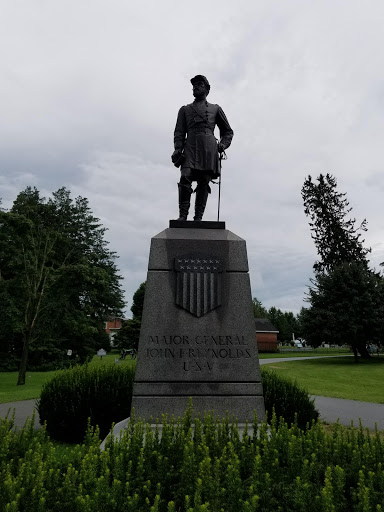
(198, 353)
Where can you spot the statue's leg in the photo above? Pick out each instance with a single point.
(202, 191)
(185, 191)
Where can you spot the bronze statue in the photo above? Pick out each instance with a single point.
(196, 148)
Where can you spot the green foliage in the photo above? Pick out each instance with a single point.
(288, 400)
(285, 322)
(346, 297)
(259, 310)
(103, 393)
(208, 468)
(58, 280)
(128, 335)
(336, 238)
(347, 305)
(138, 302)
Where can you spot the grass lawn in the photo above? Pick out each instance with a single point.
(10, 392)
(337, 377)
(306, 353)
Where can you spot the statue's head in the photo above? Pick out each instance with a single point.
(200, 86)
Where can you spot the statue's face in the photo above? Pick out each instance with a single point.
(199, 89)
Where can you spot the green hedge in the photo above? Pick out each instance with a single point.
(287, 399)
(209, 468)
(102, 393)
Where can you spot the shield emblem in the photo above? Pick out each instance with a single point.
(198, 283)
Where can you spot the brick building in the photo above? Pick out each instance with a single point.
(266, 335)
(112, 326)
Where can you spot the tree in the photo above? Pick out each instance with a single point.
(344, 295)
(347, 306)
(294, 324)
(129, 334)
(138, 301)
(282, 323)
(59, 281)
(285, 322)
(259, 310)
(336, 237)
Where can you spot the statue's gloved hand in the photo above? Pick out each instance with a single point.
(177, 158)
(176, 155)
(220, 148)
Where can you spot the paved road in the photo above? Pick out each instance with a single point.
(331, 409)
(283, 359)
(23, 410)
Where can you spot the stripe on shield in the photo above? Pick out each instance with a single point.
(198, 290)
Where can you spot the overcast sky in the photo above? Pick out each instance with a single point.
(89, 94)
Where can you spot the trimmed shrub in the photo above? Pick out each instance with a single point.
(209, 468)
(287, 399)
(101, 393)
(104, 393)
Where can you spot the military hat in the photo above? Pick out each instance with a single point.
(200, 78)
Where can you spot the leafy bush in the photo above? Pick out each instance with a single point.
(288, 400)
(103, 393)
(207, 468)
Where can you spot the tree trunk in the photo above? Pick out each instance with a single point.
(355, 354)
(363, 351)
(23, 362)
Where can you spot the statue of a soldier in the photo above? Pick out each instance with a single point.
(197, 151)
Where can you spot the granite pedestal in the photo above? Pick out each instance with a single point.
(198, 334)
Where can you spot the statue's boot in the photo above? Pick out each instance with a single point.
(185, 192)
(202, 191)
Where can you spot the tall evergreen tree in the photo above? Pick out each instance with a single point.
(59, 281)
(128, 336)
(345, 295)
(347, 306)
(138, 302)
(259, 310)
(336, 236)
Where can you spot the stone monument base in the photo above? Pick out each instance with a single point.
(119, 428)
(193, 224)
(198, 336)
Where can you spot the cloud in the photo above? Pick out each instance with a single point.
(90, 93)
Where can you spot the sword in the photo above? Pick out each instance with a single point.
(222, 156)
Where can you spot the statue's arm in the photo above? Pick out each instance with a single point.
(180, 131)
(226, 132)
